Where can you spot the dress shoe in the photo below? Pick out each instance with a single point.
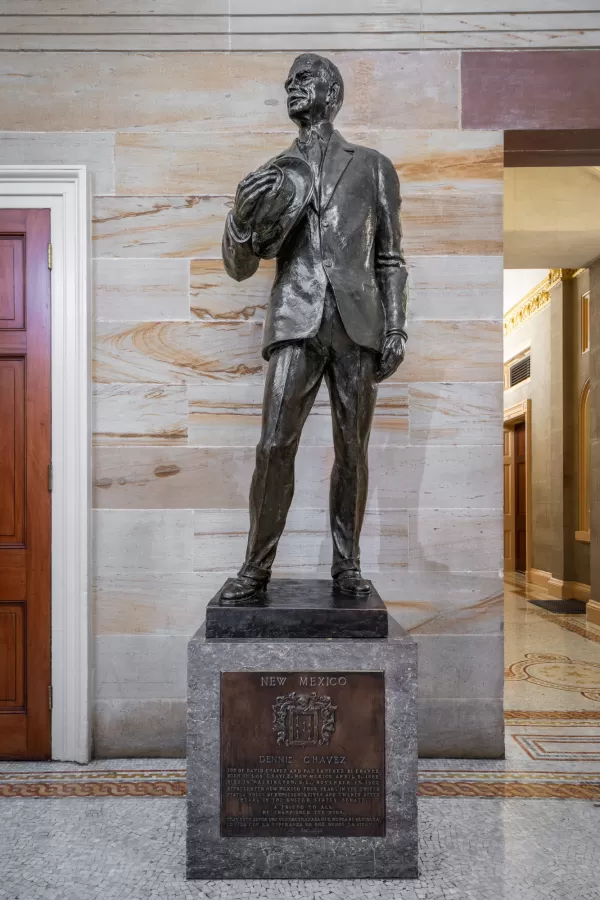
(352, 582)
(242, 589)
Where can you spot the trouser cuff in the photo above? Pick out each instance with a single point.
(344, 565)
(255, 572)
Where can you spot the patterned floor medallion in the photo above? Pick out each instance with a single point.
(562, 673)
(559, 747)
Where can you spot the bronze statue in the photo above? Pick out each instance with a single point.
(329, 212)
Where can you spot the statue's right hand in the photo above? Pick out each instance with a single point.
(250, 191)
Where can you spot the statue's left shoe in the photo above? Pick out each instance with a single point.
(352, 582)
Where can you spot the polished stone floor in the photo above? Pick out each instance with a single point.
(552, 661)
(111, 849)
(525, 827)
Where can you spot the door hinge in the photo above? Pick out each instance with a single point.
(50, 477)
(49, 256)
(50, 704)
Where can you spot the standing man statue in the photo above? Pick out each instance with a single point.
(329, 211)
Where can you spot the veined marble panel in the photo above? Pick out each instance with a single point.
(457, 222)
(96, 151)
(219, 477)
(141, 666)
(440, 287)
(220, 537)
(442, 602)
(82, 91)
(456, 413)
(141, 289)
(202, 162)
(146, 540)
(152, 602)
(455, 287)
(452, 351)
(431, 602)
(151, 666)
(227, 415)
(456, 540)
(468, 9)
(147, 227)
(140, 414)
(182, 352)
(217, 297)
(177, 352)
(139, 728)
(214, 7)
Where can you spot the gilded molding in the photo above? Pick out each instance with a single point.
(536, 299)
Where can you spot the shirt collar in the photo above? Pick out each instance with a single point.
(323, 131)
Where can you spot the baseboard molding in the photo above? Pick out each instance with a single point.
(538, 577)
(556, 587)
(593, 612)
(568, 590)
(580, 591)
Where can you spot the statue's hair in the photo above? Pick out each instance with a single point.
(333, 73)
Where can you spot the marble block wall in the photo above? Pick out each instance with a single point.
(177, 369)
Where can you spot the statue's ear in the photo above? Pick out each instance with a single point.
(333, 94)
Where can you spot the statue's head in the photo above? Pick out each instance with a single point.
(315, 90)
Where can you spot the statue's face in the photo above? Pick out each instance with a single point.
(308, 92)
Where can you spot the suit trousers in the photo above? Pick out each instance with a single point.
(294, 375)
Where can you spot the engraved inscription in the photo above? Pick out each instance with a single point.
(303, 762)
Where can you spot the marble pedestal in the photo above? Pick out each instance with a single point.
(211, 856)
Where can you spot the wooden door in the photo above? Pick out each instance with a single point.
(509, 500)
(520, 497)
(24, 488)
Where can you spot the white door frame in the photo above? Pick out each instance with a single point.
(64, 190)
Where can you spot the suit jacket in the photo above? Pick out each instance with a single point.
(350, 239)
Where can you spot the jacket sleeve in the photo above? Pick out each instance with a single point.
(390, 266)
(240, 260)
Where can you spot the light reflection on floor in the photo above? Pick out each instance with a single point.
(552, 683)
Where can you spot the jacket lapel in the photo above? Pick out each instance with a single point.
(337, 158)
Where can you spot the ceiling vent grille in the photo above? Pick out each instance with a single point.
(520, 371)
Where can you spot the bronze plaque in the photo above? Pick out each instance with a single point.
(302, 753)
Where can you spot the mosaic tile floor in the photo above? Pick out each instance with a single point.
(106, 849)
(532, 778)
(552, 661)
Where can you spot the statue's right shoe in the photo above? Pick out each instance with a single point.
(242, 589)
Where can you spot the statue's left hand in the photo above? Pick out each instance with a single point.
(392, 355)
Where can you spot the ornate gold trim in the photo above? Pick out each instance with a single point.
(536, 299)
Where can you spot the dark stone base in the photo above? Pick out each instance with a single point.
(210, 855)
(292, 608)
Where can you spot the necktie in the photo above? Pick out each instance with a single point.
(314, 156)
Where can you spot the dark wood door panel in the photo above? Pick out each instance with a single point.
(25, 512)
(12, 295)
(521, 497)
(12, 655)
(12, 451)
(13, 575)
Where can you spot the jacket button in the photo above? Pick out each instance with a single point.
(328, 263)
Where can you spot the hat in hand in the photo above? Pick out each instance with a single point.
(282, 207)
